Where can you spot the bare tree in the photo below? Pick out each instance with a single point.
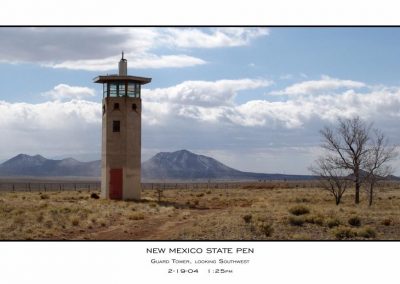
(332, 178)
(347, 148)
(376, 166)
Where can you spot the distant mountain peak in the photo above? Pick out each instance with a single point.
(37, 156)
(186, 165)
(37, 165)
(22, 158)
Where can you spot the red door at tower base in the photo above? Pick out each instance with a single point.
(115, 183)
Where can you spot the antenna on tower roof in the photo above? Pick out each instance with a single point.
(123, 66)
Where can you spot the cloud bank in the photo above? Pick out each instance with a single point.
(325, 84)
(199, 115)
(97, 49)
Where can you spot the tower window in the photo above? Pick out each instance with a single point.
(134, 107)
(116, 106)
(116, 126)
(104, 109)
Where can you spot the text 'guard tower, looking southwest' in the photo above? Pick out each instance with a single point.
(121, 134)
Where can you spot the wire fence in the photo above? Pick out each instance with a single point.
(48, 186)
(39, 186)
(71, 186)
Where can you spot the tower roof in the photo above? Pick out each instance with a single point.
(118, 78)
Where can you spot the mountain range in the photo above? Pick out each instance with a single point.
(164, 166)
(25, 165)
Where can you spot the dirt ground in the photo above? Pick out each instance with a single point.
(256, 212)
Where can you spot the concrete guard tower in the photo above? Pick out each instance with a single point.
(121, 134)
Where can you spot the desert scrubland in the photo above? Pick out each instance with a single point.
(259, 211)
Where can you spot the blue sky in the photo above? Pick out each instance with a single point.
(253, 98)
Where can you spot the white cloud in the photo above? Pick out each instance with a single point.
(54, 115)
(97, 49)
(211, 38)
(66, 92)
(325, 84)
(214, 102)
(204, 93)
(105, 64)
(139, 61)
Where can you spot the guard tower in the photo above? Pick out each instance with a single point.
(121, 134)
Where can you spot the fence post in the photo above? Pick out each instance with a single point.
(29, 186)
(13, 187)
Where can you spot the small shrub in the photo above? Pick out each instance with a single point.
(75, 222)
(342, 233)
(317, 220)
(333, 223)
(367, 233)
(354, 221)
(247, 218)
(296, 220)
(44, 196)
(266, 229)
(208, 191)
(387, 222)
(200, 195)
(94, 196)
(299, 210)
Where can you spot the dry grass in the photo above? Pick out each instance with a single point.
(254, 212)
